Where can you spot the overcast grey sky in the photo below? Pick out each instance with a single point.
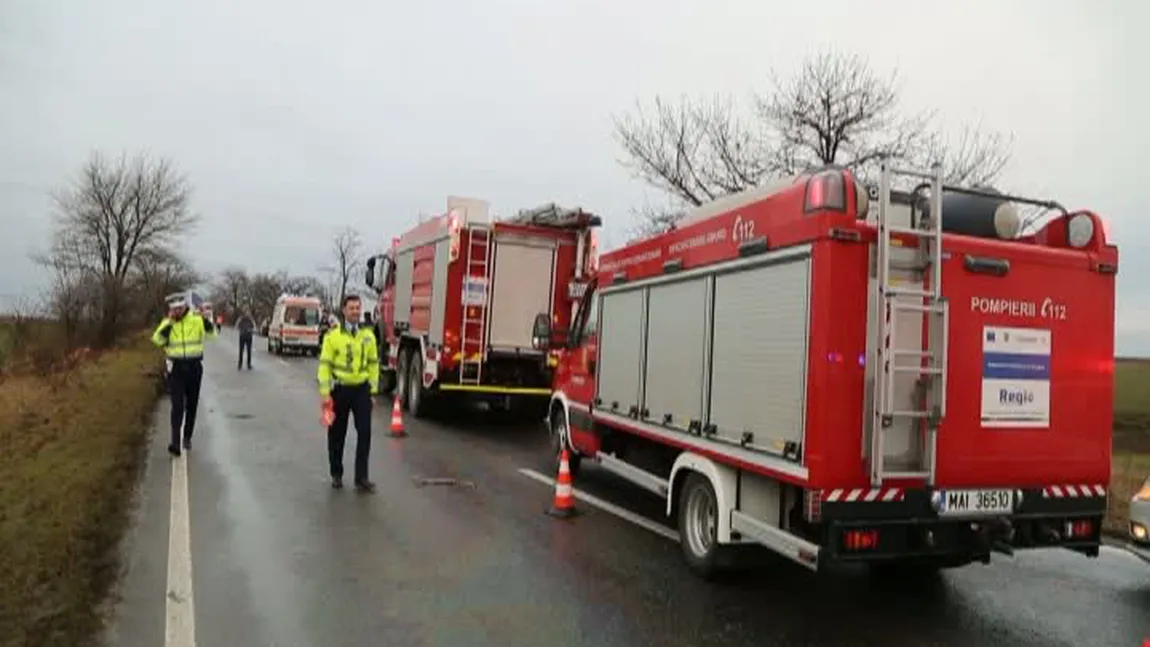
(295, 118)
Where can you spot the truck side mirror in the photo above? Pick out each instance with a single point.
(369, 276)
(541, 332)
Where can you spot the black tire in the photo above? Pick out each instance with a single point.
(418, 397)
(387, 381)
(698, 527)
(558, 429)
(401, 377)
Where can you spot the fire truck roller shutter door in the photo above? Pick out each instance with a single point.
(621, 345)
(759, 353)
(522, 288)
(676, 334)
(404, 267)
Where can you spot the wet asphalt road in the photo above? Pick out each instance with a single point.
(278, 558)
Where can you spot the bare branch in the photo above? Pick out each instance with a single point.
(975, 158)
(347, 255)
(834, 110)
(837, 110)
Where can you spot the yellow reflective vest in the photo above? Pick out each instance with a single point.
(183, 338)
(348, 359)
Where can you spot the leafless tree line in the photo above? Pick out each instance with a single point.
(237, 291)
(835, 109)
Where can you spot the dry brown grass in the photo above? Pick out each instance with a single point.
(72, 445)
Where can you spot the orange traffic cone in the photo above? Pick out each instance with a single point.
(564, 504)
(397, 420)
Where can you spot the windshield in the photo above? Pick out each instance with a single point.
(297, 316)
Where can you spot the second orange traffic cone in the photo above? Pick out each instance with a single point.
(397, 420)
(564, 504)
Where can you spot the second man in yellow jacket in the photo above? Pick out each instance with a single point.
(348, 379)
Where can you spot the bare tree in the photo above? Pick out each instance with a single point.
(231, 293)
(347, 253)
(263, 290)
(112, 213)
(833, 110)
(158, 272)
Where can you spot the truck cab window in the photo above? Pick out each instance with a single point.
(588, 318)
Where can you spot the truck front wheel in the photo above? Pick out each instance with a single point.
(417, 395)
(558, 433)
(401, 377)
(699, 525)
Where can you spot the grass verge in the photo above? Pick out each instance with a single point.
(72, 446)
(1131, 439)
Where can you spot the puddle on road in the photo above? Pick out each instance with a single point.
(421, 481)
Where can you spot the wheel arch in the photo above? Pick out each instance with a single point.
(723, 479)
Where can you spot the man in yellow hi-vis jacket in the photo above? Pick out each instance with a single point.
(181, 334)
(348, 379)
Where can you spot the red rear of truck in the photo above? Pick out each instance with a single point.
(986, 403)
(1032, 337)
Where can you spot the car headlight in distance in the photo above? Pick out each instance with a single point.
(1138, 531)
(1080, 230)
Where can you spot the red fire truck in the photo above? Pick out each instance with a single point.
(843, 373)
(459, 292)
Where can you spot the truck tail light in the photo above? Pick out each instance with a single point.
(1079, 529)
(826, 190)
(860, 539)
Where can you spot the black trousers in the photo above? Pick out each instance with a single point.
(184, 386)
(245, 346)
(350, 401)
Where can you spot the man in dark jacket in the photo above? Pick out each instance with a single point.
(246, 327)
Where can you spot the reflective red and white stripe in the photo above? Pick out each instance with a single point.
(864, 495)
(1073, 491)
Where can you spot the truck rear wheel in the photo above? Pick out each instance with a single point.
(699, 525)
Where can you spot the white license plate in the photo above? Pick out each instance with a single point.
(970, 503)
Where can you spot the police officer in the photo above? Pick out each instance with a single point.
(348, 379)
(181, 334)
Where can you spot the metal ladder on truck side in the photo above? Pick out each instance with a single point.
(929, 361)
(473, 332)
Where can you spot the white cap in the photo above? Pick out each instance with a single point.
(177, 300)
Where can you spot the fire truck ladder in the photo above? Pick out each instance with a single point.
(552, 215)
(474, 329)
(928, 362)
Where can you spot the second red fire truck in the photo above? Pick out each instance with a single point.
(458, 295)
(846, 374)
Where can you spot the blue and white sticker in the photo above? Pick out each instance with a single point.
(474, 290)
(1015, 377)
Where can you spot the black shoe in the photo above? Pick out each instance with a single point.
(337, 482)
(365, 486)
(174, 450)
(249, 367)
(188, 444)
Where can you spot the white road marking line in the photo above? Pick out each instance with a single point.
(180, 630)
(611, 508)
(283, 361)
